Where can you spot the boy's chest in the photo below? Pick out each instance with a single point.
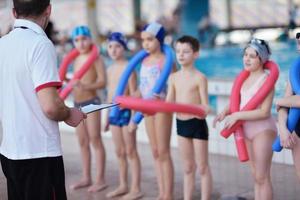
(90, 74)
(186, 86)
(79, 62)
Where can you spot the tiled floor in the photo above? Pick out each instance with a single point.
(230, 177)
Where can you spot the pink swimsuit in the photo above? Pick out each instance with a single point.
(149, 74)
(254, 127)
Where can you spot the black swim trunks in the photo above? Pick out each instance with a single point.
(192, 128)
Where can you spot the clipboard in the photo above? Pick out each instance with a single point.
(93, 107)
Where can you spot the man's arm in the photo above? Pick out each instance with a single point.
(52, 105)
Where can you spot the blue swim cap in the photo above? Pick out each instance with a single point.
(157, 30)
(81, 31)
(118, 37)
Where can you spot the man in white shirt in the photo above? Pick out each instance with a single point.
(30, 107)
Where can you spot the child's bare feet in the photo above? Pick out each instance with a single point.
(97, 187)
(80, 184)
(133, 196)
(117, 192)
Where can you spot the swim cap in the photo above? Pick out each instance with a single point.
(118, 37)
(157, 30)
(261, 47)
(81, 31)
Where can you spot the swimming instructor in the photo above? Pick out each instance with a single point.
(30, 108)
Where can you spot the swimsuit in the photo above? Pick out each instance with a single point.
(96, 100)
(122, 119)
(254, 127)
(149, 74)
(192, 128)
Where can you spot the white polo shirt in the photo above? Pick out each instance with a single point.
(28, 63)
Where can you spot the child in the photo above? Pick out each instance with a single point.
(288, 140)
(85, 92)
(259, 126)
(192, 131)
(125, 142)
(158, 126)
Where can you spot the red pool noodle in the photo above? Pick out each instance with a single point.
(77, 75)
(150, 106)
(257, 99)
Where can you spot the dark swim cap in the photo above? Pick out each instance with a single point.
(118, 37)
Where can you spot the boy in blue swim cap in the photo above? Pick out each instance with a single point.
(125, 142)
(85, 93)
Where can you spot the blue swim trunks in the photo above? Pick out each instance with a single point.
(122, 119)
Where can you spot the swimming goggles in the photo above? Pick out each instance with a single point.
(262, 42)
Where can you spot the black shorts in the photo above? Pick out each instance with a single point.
(297, 128)
(40, 179)
(192, 128)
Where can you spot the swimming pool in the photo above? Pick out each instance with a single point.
(226, 62)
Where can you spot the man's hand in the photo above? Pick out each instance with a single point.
(76, 116)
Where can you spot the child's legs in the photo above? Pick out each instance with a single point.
(163, 126)
(121, 154)
(262, 159)
(186, 149)
(251, 156)
(93, 123)
(251, 164)
(133, 157)
(150, 129)
(83, 140)
(296, 156)
(201, 157)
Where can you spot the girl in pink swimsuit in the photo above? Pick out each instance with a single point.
(259, 126)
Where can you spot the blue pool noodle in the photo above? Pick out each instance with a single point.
(158, 87)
